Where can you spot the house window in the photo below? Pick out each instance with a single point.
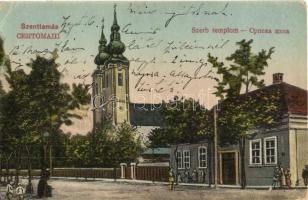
(202, 157)
(120, 79)
(270, 150)
(186, 155)
(255, 152)
(179, 159)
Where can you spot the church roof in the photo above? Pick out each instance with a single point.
(113, 52)
(145, 114)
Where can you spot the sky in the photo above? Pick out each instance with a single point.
(165, 53)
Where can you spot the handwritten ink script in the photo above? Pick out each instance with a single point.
(167, 46)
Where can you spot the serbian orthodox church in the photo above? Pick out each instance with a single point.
(111, 97)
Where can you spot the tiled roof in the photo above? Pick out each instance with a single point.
(294, 98)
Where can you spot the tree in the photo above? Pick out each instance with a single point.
(2, 53)
(240, 113)
(112, 145)
(51, 102)
(78, 151)
(185, 121)
(36, 103)
(127, 144)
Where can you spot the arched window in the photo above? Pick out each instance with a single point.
(202, 157)
(96, 88)
(106, 80)
(120, 79)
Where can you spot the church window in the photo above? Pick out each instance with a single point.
(120, 79)
(106, 80)
(96, 88)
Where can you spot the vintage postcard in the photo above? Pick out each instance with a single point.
(153, 100)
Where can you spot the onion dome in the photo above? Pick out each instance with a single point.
(116, 47)
(103, 54)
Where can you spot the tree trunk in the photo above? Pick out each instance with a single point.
(176, 165)
(242, 154)
(29, 189)
(1, 170)
(8, 168)
(17, 166)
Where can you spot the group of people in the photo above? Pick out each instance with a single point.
(281, 177)
(196, 177)
(12, 192)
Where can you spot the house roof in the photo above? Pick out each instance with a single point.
(294, 98)
(155, 151)
(294, 101)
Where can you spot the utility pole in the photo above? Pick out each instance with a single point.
(215, 147)
(50, 160)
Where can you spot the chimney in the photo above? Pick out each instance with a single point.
(277, 78)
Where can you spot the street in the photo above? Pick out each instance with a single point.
(92, 190)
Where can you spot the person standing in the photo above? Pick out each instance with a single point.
(9, 191)
(305, 175)
(179, 178)
(282, 178)
(195, 176)
(171, 179)
(1, 197)
(20, 192)
(276, 177)
(287, 175)
(186, 174)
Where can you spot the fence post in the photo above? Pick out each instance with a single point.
(123, 170)
(133, 170)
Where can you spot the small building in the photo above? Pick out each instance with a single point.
(155, 156)
(192, 163)
(284, 145)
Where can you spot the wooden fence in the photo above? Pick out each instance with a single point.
(150, 173)
(87, 172)
(72, 173)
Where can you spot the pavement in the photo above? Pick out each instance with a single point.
(72, 189)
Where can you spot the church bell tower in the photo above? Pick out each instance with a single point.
(110, 79)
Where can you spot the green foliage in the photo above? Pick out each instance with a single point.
(185, 120)
(112, 145)
(1, 51)
(241, 117)
(244, 70)
(241, 114)
(36, 103)
(80, 94)
(77, 151)
(128, 144)
(106, 146)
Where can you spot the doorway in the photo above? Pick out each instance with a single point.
(228, 168)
